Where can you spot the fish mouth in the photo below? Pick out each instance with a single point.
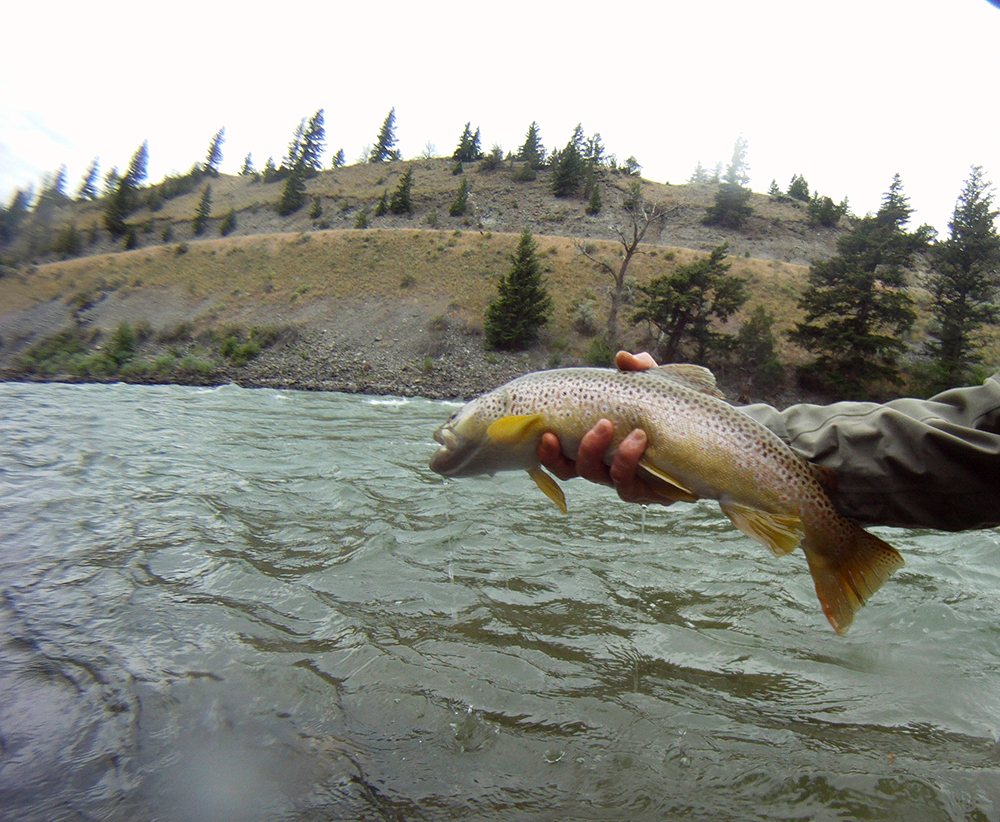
(444, 456)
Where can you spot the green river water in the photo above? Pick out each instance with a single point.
(228, 604)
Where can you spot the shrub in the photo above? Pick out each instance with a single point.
(599, 353)
(524, 173)
(228, 223)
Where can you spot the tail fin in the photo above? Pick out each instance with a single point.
(848, 566)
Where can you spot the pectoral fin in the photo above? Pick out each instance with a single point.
(549, 487)
(515, 429)
(781, 533)
(664, 484)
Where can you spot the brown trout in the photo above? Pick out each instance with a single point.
(699, 447)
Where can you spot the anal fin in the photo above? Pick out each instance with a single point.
(549, 487)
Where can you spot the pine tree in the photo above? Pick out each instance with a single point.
(756, 352)
(523, 305)
(383, 149)
(228, 224)
(532, 152)
(136, 174)
(401, 201)
(468, 149)
(774, 190)
(684, 304)
(214, 156)
(338, 158)
(12, 216)
(799, 188)
(699, 176)
(293, 195)
(313, 144)
(856, 303)
(88, 187)
(568, 170)
(461, 201)
(732, 200)
(203, 212)
(293, 154)
(247, 169)
(594, 205)
(964, 283)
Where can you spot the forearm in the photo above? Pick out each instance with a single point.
(913, 463)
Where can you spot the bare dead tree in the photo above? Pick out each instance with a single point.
(639, 215)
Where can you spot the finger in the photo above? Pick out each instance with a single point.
(590, 458)
(623, 471)
(627, 361)
(551, 456)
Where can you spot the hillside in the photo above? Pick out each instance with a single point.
(395, 308)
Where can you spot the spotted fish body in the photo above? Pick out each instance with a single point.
(698, 447)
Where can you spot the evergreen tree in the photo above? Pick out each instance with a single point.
(756, 353)
(823, 211)
(383, 149)
(532, 152)
(338, 158)
(12, 216)
(228, 224)
(293, 195)
(469, 148)
(111, 180)
(382, 206)
(401, 201)
(293, 154)
(88, 187)
(247, 169)
(270, 173)
(523, 304)
(594, 205)
(732, 200)
(699, 176)
(799, 188)
(683, 305)
(856, 303)
(461, 201)
(203, 212)
(569, 170)
(136, 174)
(964, 283)
(214, 156)
(317, 210)
(313, 144)
(774, 190)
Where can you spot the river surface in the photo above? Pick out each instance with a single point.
(228, 604)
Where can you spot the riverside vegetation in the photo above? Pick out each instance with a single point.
(377, 277)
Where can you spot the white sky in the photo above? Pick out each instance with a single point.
(844, 93)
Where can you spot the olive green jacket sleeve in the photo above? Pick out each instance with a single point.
(913, 463)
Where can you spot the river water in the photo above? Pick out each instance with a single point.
(228, 604)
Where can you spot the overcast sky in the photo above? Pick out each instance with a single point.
(846, 93)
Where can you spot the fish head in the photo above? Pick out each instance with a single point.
(467, 447)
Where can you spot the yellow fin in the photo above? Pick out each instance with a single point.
(781, 533)
(664, 484)
(549, 487)
(848, 566)
(693, 376)
(515, 429)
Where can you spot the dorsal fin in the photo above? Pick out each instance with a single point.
(691, 376)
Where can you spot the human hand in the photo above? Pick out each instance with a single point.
(589, 462)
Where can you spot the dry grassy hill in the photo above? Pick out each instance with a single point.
(396, 306)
